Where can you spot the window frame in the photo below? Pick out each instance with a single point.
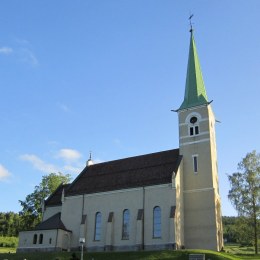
(41, 239)
(195, 163)
(35, 238)
(126, 225)
(193, 121)
(157, 222)
(197, 130)
(98, 226)
(194, 130)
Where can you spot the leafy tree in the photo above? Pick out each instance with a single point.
(244, 231)
(245, 191)
(229, 229)
(31, 212)
(9, 224)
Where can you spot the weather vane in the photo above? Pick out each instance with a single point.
(191, 29)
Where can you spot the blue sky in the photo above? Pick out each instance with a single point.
(102, 76)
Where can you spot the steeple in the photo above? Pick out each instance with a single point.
(195, 92)
(89, 161)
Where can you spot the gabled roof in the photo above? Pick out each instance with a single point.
(53, 222)
(138, 171)
(55, 198)
(195, 92)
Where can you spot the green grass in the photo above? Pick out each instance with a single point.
(7, 250)
(150, 255)
(245, 252)
(233, 252)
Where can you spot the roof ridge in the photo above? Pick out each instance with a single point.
(131, 157)
(128, 169)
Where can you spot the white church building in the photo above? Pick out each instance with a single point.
(163, 200)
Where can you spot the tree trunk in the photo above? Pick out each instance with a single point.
(255, 229)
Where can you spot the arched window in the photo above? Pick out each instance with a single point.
(157, 228)
(40, 238)
(126, 224)
(34, 239)
(97, 235)
(194, 126)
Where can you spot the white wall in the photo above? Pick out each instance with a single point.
(116, 202)
(51, 211)
(26, 239)
(55, 239)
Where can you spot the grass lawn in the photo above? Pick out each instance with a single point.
(151, 255)
(7, 250)
(245, 252)
(233, 252)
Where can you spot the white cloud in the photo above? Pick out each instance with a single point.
(6, 50)
(63, 107)
(72, 170)
(22, 51)
(39, 164)
(4, 173)
(69, 155)
(28, 56)
(22, 42)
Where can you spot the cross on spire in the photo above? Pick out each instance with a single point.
(191, 29)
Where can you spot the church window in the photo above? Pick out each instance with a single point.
(40, 238)
(191, 131)
(35, 239)
(193, 120)
(194, 128)
(50, 240)
(195, 163)
(97, 235)
(126, 224)
(157, 228)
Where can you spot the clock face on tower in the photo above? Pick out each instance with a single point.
(193, 120)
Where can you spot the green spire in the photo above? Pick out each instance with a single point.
(195, 92)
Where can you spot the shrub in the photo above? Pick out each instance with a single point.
(8, 242)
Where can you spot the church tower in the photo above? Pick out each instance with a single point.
(202, 205)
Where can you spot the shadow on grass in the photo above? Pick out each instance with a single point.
(243, 252)
(143, 255)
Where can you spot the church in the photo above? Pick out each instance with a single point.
(162, 200)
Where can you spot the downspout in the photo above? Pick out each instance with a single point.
(83, 202)
(82, 213)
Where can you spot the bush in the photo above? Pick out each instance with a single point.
(8, 242)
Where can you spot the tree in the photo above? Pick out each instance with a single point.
(229, 229)
(9, 224)
(244, 231)
(245, 191)
(31, 212)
